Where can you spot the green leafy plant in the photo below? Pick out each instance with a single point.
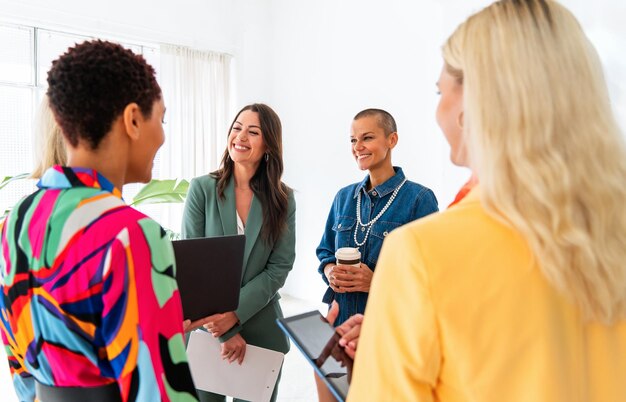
(170, 191)
(8, 180)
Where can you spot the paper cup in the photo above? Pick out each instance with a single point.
(348, 256)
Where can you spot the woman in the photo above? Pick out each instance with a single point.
(90, 307)
(364, 213)
(518, 292)
(246, 196)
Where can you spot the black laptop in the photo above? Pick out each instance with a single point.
(208, 272)
(319, 343)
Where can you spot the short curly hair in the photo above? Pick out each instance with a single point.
(90, 85)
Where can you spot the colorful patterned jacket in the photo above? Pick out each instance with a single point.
(88, 293)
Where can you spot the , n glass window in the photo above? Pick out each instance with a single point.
(16, 55)
(16, 116)
(50, 45)
(26, 55)
(17, 80)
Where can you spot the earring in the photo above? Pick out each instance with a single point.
(267, 157)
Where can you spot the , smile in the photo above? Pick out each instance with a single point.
(240, 147)
(363, 156)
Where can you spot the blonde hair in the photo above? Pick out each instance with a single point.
(48, 141)
(545, 145)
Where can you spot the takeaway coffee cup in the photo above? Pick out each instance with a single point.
(348, 256)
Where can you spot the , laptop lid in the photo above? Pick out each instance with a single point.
(319, 343)
(208, 272)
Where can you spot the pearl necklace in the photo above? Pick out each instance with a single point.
(369, 224)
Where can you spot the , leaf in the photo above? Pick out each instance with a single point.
(172, 235)
(9, 179)
(162, 191)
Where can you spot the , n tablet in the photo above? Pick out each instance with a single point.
(319, 343)
(208, 272)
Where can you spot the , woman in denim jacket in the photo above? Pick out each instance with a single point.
(387, 201)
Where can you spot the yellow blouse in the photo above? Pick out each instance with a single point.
(459, 311)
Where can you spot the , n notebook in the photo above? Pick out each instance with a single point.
(319, 343)
(208, 272)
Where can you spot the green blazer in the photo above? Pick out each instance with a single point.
(265, 266)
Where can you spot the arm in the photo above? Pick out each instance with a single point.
(142, 316)
(426, 204)
(194, 212)
(347, 278)
(398, 356)
(350, 331)
(326, 249)
(340, 278)
(259, 291)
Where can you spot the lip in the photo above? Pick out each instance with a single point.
(362, 156)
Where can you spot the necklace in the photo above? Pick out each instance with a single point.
(369, 224)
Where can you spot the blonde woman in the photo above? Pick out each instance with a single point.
(48, 141)
(518, 293)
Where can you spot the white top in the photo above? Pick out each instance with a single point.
(240, 226)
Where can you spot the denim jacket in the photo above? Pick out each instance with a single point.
(412, 202)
